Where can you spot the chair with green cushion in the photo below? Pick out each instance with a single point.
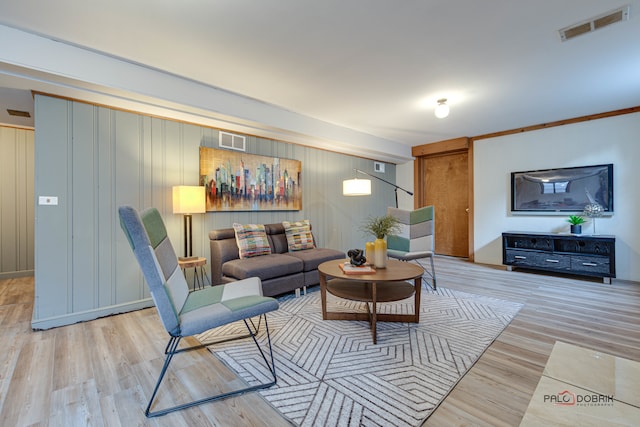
(415, 241)
(185, 313)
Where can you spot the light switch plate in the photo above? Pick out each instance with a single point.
(48, 200)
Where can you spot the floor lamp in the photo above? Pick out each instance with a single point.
(362, 187)
(188, 200)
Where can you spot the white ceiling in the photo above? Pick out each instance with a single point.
(374, 66)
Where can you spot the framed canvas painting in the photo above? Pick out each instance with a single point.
(236, 181)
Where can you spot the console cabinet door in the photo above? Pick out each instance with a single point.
(590, 264)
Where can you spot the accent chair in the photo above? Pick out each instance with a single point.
(184, 313)
(415, 241)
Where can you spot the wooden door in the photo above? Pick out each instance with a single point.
(446, 187)
(442, 178)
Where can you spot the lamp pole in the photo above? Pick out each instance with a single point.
(396, 187)
(188, 236)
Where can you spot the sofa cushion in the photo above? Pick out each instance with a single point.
(312, 258)
(277, 238)
(299, 235)
(251, 240)
(265, 267)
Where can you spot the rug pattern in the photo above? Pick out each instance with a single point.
(331, 374)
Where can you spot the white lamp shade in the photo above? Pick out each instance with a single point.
(188, 199)
(356, 187)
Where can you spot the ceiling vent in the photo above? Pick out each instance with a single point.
(232, 141)
(18, 113)
(595, 23)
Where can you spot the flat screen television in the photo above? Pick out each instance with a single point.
(562, 190)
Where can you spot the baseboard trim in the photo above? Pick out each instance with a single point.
(68, 319)
(14, 274)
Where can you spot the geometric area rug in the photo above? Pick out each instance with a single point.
(331, 374)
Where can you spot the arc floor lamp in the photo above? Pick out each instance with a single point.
(362, 187)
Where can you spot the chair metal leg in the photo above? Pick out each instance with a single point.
(172, 349)
(432, 274)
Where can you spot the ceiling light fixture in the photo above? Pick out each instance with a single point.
(442, 109)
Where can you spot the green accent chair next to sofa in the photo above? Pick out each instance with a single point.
(415, 241)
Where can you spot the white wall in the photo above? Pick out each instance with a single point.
(404, 178)
(610, 140)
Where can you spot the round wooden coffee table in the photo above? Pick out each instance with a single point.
(385, 285)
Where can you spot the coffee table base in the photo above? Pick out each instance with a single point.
(371, 293)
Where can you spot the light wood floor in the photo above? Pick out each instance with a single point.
(101, 372)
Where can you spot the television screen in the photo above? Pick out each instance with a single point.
(562, 189)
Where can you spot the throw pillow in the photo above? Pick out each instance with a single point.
(299, 235)
(251, 240)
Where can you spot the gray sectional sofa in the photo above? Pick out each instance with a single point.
(281, 271)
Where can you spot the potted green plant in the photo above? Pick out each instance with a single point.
(576, 222)
(380, 227)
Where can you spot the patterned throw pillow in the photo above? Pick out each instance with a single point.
(252, 240)
(299, 235)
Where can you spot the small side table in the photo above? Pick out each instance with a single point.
(199, 270)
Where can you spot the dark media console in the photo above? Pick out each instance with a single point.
(564, 253)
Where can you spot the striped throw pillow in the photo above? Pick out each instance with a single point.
(251, 240)
(299, 235)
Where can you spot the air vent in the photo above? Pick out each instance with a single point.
(232, 141)
(595, 23)
(18, 113)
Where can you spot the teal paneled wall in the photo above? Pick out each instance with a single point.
(95, 159)
(16, 202)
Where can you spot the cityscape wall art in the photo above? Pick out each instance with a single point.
(237, 181)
